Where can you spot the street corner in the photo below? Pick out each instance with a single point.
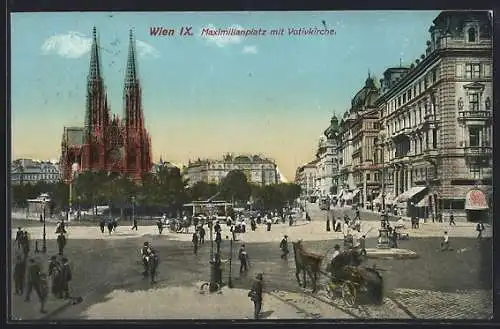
(390, 253)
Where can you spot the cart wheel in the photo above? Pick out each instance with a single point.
(330, 290)
(349, 294)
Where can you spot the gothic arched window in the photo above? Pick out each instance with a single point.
(471, 34)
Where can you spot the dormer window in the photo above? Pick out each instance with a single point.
(471, 34)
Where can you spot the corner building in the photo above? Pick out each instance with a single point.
(434, 148)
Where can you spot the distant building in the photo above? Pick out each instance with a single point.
(162, 164)
(28, 171)
(258, 170)
(305, 177)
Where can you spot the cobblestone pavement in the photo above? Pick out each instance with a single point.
(101, 267)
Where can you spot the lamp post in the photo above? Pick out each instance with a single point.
(44, 246)
(230, 278)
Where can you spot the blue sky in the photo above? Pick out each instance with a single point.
(203, 97)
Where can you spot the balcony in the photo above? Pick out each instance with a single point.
(478, 151)
(475, 115)
(430, 153)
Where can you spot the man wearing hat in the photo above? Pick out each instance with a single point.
(284, 247)
(255, 295)
(19, 273)
(66, 277)
(19, 237)
(37, 280)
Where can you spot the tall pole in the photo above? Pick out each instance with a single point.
(133, 208)
(70, 201)
(44, 247)
(382, 156)
(230, 279)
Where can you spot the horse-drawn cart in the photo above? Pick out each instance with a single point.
(345, 276)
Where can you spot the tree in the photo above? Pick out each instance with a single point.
(235, 186)
(202, 190)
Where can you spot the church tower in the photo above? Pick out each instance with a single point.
(97, 115)
(138, 143)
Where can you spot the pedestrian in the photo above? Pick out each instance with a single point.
(284, 247)
(452, 220)
(66, 277)
(202, 234)
(290, 220)
(195, 241)
(253, 224)
(269, 223)
(217, 227)
(55, 269)
(255, 295)
(479, 229)
(102, 224)
(19, 237)
(19, 274)
(25, 243)
(394, 239)
(243, 257)
(218, 240)
(159, 224)
(445, 244)
(362, 245)
(61, 243)
(134, 226)
(37, 280)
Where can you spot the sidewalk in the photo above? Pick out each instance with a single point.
(307, 231)
(187, 303)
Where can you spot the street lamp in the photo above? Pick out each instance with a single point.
(44, 246)
(230, 278)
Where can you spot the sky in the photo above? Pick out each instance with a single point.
(204, 96)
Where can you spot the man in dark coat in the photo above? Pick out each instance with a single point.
(256, 295)
(19, 237)
(19, 274)
(102, 224)
(61, 243)
(218, 240)
(243, 257)
(202, 234)
(66, 277)
(284, 247)
(37, 280)
(55, 269)
(217, 227)
(195, 241)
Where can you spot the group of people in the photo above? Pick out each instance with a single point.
(29, 271)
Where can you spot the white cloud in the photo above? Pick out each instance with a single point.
(69, 45)
(250, 50)
(222, 40)
(146, 50)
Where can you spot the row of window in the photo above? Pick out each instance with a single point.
(410, 119)
(471, 71)
(413, 91)
(29, 177)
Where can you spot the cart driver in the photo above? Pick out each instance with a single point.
(333, 268)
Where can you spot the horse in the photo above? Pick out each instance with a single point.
(151, 266)
(307, 263)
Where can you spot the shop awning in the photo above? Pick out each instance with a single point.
(355, 193)
(423, 203)
(410, 193)
(476, 200)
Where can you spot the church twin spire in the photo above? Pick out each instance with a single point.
(95, 87)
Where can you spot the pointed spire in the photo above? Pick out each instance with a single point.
(131, 76)
(95, 60)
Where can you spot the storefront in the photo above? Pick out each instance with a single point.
(476, 206)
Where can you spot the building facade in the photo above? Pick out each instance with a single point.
(327, 160)
(356, 147)
(305, 177)
(28, 171)
(435, 143)
(106, 142)
(258, 170)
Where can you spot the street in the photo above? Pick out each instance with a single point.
(458, 279)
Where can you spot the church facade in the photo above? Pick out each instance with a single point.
(107, 142)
